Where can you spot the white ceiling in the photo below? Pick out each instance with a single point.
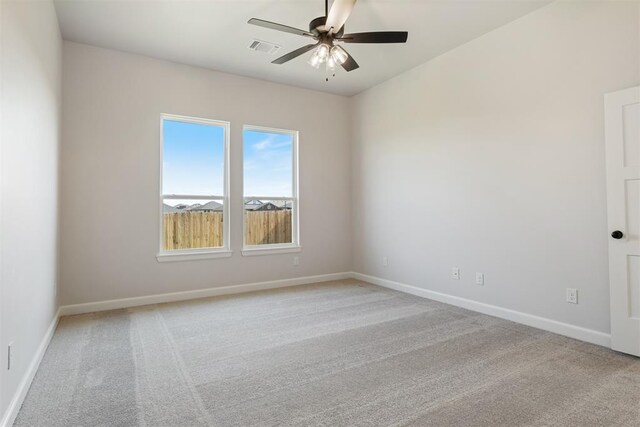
(215, 34)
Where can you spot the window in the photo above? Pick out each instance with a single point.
(194, 208)
(270, 190)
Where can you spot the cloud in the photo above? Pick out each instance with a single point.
(261, 145)
(271, 142)
(265, 143)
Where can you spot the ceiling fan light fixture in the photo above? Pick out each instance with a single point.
(323, 51)
(338, 55)
(331, 63)
(315, 60)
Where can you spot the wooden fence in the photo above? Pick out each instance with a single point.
(189, 230)
(267, 227)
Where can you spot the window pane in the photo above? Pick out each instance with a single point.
(193, 158)
(192, 224)
(268, 160)
(267, 221)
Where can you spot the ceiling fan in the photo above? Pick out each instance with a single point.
(327, 31)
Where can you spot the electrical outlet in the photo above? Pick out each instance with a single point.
(572, 296)
(296, 261)
(385, 261)
(455, 273)
(480, 279)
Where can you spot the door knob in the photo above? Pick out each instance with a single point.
(617, 234)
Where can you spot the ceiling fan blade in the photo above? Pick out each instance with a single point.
(294, 54)
(338, 14)
(350, 64)
(376, 37)
(278, 27)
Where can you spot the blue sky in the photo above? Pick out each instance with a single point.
(267, 163)
(193, 159)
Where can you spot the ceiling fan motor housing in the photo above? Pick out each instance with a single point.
(319, 23)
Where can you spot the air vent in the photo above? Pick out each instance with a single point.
(264, 47)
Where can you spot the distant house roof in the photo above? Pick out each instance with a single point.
(252, 204)
(274, 205)
(196, 207)
(169, 209)
(267, 207)
(209, 206)
(283, 204)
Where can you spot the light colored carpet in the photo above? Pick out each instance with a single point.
(336, 354)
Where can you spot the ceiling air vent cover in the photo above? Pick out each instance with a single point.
(265, 47)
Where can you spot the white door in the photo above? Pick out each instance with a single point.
(622, 125)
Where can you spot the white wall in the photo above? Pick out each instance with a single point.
(30, 55)
(112, 103)
(491, 158)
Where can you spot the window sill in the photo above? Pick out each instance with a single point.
(271, 251)
(192, 256)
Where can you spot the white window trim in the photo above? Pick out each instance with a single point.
(271, 250)
(192, 255)
(294, 246)
(204, 253)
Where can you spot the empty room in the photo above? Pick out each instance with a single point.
(319, 213)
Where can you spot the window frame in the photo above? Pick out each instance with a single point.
(276, 248)
(197, 253)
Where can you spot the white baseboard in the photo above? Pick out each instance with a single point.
(91, 307)
(15, 404)
(566, 329)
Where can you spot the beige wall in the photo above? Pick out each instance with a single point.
(30, 59)
(491, 158)
(110, 167)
